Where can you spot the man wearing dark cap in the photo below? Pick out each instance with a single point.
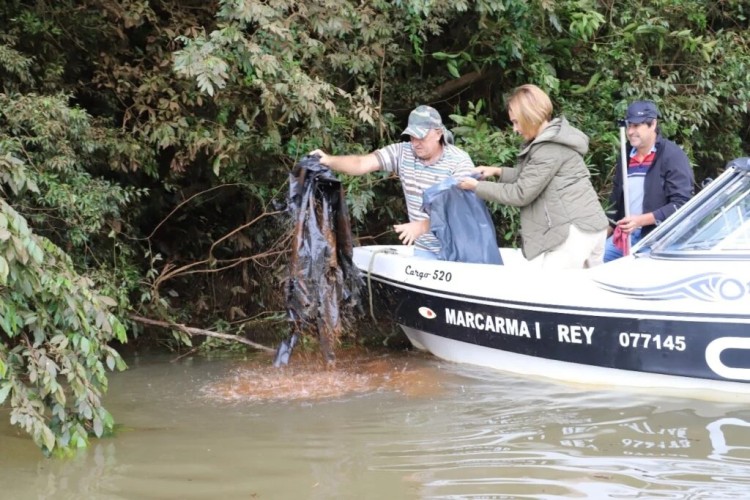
(426, 157)
(659, 177)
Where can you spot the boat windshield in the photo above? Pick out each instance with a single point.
(717, 226)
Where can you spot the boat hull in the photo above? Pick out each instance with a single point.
(572, 373)
(674, 313)
(615, 341)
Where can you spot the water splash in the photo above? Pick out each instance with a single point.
(312, 378)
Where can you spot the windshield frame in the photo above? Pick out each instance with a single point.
(676, 238)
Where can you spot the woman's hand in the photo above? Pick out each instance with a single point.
(485, 171)
(468, 183)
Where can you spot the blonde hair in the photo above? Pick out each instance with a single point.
(531, 106)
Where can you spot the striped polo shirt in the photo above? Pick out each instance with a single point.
(637, 170)
(415, 177)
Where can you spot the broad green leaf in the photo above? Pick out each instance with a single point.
(48, 438)
(85, 345)
(107, 301)
(453, 69)
(4, 270)
(4, 391)
(35, 251)
(98, 427)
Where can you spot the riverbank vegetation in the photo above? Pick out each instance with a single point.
(145, 148)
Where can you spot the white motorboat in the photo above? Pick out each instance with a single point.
(673, 314)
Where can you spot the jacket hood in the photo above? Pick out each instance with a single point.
(561, 132)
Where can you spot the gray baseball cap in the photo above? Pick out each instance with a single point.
(421, 121)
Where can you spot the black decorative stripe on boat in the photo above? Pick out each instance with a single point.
(562, 308)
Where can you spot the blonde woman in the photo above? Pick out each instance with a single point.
(563, 225)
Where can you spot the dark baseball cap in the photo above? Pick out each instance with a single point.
(641, 111)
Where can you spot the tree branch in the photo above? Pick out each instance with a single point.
(452, 86)
(199, 331)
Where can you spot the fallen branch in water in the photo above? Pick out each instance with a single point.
(199, 331)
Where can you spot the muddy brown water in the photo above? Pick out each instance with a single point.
(384, 425)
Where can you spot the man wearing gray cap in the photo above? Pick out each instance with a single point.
(426, 157)
(659, 177)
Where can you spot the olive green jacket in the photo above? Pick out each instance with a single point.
(551, 183)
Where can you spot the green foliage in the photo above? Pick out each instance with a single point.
(585, 23)
(690, 59)
(54, 331)
(55, 325)
(276, 58)
(15, 63)
(62, 147)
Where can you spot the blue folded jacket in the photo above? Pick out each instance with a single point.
(460, 220)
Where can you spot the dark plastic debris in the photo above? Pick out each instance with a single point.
(323, 283)
(284, 351)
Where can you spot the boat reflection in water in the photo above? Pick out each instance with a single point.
(674, 315)
(723, 451)
(544, 440)
(640, 437)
